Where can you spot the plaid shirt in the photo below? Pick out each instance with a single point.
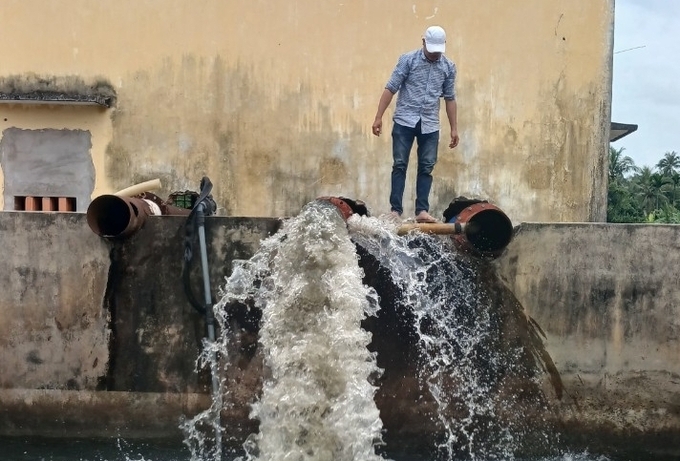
(420, 84)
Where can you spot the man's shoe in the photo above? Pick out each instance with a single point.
(425, 217)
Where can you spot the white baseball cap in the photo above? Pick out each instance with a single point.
(435, 39)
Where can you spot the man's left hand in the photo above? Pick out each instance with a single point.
(454, 139)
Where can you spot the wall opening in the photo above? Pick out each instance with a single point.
(47, 170)
(63, 204)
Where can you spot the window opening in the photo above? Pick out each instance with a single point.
(32, 203)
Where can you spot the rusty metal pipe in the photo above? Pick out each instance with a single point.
(477, 227)
(111, 216)
(487, 230)
(481, 229)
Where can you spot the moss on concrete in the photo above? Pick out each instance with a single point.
(31, 87)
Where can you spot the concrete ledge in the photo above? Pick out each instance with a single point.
(107, 345)
(56, 413)
(608, 300)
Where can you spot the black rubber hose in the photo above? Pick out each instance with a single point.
(190, 229)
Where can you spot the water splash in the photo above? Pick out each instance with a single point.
(204, 432)
(464, 362)
(317, 399)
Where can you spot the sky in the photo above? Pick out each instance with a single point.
(646, 79)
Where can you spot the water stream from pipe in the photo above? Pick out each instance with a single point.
(464, 362)
(318, 394)
(317, 400)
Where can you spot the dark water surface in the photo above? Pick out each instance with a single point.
(65, 449)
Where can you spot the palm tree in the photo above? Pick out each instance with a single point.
(668, 215)
(669, 164)
(675, 182)
(644, 190)
(619, 164)
(662, 184)
(623, 204)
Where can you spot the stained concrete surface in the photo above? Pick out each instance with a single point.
(604, 296)
(607, 297)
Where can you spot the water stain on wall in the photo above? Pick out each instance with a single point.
(266, 154)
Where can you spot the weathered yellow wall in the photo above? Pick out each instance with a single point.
(274, 100)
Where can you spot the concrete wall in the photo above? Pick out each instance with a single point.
(54, 330)
(95, 335)
(274, 100)
(98, 337)
(608, 299)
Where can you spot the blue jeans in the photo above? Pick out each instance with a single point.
(402, 141)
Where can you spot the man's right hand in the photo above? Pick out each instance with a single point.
(377, 126)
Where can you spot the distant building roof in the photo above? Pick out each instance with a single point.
(619, 130)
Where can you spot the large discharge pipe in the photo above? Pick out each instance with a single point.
(485, 229)
(477, 227)
(113, 216)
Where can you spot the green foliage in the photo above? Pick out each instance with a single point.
(622, 206)
(644, 194)
(667, 215)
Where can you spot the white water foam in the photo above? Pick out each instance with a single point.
(317, 402)
(455, 336)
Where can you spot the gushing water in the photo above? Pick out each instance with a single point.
(464, 363)
(317, 400)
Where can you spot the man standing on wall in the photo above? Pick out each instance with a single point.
(421, 77)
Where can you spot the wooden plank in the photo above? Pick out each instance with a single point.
(430, 228)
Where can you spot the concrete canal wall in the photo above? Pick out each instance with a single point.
(607, 297)
(98, 338)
